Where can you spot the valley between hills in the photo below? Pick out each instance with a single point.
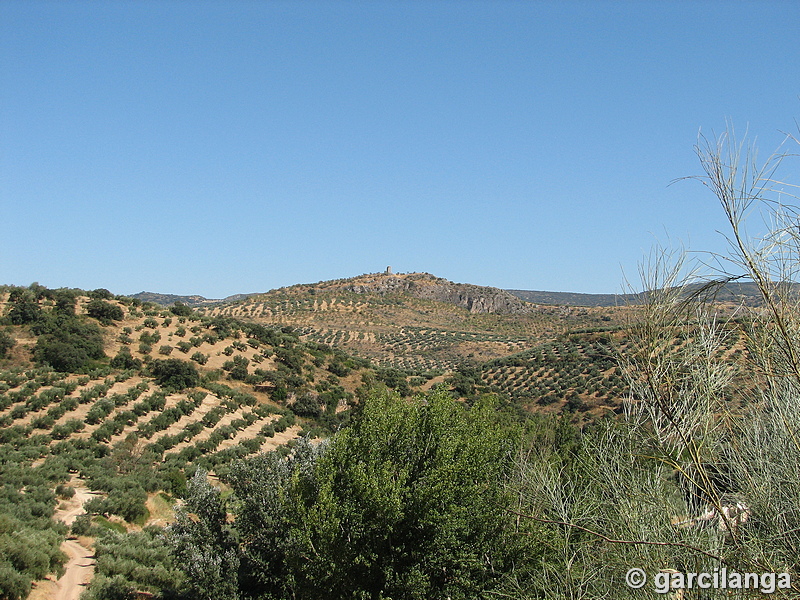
(122, 400)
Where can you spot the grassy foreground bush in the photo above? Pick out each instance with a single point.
(702, 473)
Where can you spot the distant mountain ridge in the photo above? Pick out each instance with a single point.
(475, 298)
(193, 300)
(574, 298)
(738, 292)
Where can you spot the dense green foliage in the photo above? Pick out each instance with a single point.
(125, 360)
(6, 343)
(25, 310)
(29, 538)
(408, 502)
(67, 343)
(175, 374)
(103, 311)
(130, 562)
(180, 309)
(29, 550)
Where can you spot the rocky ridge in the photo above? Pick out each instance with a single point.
(475, 298)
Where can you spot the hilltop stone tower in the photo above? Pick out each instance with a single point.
(388, 270)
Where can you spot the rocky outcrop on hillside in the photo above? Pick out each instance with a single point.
(475, 298)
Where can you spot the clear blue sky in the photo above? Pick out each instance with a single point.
(226, 147)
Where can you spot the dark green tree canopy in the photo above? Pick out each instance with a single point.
(103, 311)
(124, 360)
(408, 502)
(101, 294)
(6, 343)
(181, 310)
(25, 310)
(67, 343)
(175, 374)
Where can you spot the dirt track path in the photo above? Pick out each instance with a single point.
(69, 510)
(79, 569)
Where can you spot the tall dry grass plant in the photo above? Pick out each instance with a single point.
(703, 472)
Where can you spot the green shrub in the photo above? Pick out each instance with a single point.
(6, 343)
(13, 584)
(101, 294)
(175, 374)
(408, 502)
(124, 360)
(65, 491)
(103, 311)
(82, 525)
(67, 343)
(25, 311)
(308, 406)
(151, 338)
(181, 310)
(199, 358)
(237, 367)
(64, 355)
